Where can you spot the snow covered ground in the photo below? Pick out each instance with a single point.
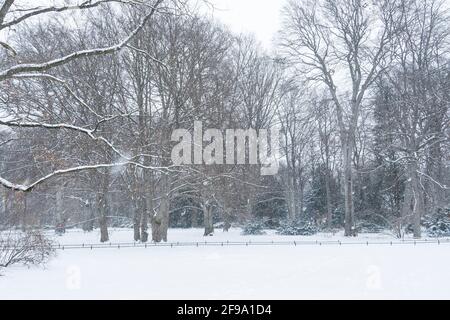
(302, 271)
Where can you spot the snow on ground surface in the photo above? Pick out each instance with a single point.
(306, 271)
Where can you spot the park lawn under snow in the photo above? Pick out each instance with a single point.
(302, 271)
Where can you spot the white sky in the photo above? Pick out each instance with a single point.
(260, 17)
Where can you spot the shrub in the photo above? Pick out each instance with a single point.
(438, 225)
(253, 228)
(295, 228)
(368, 227)
(27, 248)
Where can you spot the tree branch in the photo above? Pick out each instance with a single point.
(40, 67)
(27, 188)
(88, 4)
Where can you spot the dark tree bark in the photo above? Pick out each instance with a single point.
(160, 221)
(59, 212)
(102, 207)
(208, 220)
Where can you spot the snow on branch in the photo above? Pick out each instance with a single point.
(5, 142)
(8, 48)
(29, 187)
(442, 186)
(40, 67)
(4, 10)
(149, 56)
(63, 83)
(88, 4)
(88, 132)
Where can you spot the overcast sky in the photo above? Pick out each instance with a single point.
(261, 17)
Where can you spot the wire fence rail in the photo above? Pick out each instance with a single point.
(124, 245)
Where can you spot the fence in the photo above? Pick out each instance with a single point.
(124, 245)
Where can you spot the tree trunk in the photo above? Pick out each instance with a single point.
(24, 211)
(147, 202)
(418, 199)
(59, 208)
(299, 208)
(347, 148)
(226, 223)
(249, 207)
(135, 196)
(435, 169)
(143, 222)
(102, 207)
(3, 204)
(208, 220)
(102, 220)
(328, 195)
(160, 222)
(137, 222)
(413, 200)
(89, 217)
(194, 218)
(407, 204)
(291, 205)
(141, 214)
(291, 197)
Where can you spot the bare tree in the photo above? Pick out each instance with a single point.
(13, 70)
(414, 93)
(325, 125)
(326, 38)
(31, 248)
(296, 127)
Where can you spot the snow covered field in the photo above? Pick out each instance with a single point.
(302, 271)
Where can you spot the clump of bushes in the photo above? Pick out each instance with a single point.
(297, 228)
(27, 248)
(369, 227)
(438, 225)
(253, 228)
